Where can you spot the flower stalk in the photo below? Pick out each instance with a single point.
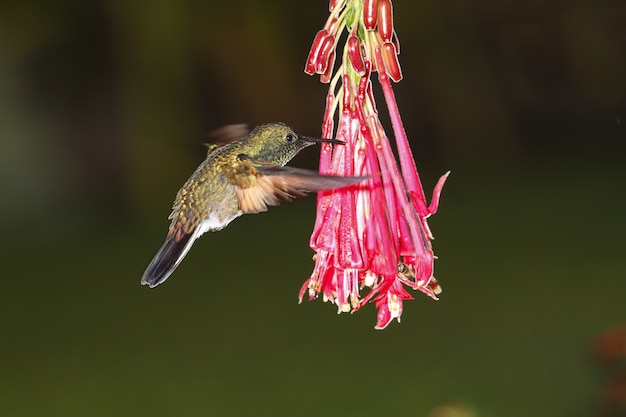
(372, 238)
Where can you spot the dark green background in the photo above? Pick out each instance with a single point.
(102, 105)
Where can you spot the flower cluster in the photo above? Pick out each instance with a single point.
(375, 235)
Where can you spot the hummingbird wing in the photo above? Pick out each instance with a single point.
(268, 184)
(225, 135)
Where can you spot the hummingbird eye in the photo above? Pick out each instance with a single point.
(290, 138)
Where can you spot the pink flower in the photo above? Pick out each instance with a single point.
(373, 238)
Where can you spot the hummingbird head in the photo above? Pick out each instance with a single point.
(278, 143)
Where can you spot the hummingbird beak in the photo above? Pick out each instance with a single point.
(316, 140)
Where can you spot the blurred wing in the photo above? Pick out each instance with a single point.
(226, 134)
(269, 184)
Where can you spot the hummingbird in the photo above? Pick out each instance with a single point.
(244, 175)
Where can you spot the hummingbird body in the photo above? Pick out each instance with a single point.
(243, 176)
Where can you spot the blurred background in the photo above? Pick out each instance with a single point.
(103, 105)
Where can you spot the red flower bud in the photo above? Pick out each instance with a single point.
(325, 50)
(331, 25)
(314, 54)
(390, 57)
(385, 20)
(333, 4)
(370, 14)
(327, 75)
(329, 124)
(355, 55)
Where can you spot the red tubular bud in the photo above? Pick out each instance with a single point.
(370, 14)
(333, 4)
(312, 60)
(327, 75)
(364, 85)
(326, 48)
(392, 64)
(346, 92)
(385, 20)
(328, 125)
(331, 25)
(355, 55)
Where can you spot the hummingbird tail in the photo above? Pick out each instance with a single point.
(168, 258)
